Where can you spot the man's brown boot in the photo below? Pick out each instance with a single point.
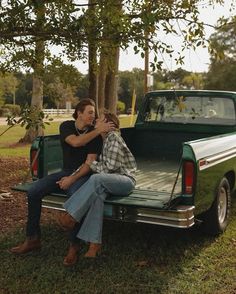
(94, 250)
(66, 221)
(27, 246)
(71, 257)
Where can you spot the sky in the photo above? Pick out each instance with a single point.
(195, 61)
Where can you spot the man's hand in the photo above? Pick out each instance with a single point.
(103, 126)
(65, 182)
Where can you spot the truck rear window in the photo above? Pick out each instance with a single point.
(191, 109)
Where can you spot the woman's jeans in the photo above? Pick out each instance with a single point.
(88, 201)
(40, 189)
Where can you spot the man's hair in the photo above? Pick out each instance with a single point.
(81, 106)
(109, 116)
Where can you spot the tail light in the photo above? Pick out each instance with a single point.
(188, 173)
(34, 163)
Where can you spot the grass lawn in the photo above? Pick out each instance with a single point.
(136, 258)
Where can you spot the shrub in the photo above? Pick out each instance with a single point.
(9, 109)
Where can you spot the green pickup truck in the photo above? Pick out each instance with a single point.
(185, 146)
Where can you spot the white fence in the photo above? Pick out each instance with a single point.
(55, 112)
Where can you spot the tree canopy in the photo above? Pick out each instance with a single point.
(68, 24)
(29, 29)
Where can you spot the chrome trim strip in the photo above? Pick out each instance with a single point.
(165, 217)
(167, 224)
(218, 158)
(53, 207)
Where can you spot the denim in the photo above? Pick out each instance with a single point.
(88, 202)
(40, 189)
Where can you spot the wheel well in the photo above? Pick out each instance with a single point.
(231, 178)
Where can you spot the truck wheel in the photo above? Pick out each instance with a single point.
(217, 217)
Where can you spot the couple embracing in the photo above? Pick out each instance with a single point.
(96, 163)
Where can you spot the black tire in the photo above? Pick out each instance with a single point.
(217, 218)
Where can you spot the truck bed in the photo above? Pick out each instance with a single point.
(155, 181)
(157, 175)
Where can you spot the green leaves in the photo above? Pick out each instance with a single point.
(30, 118)
(72, 25)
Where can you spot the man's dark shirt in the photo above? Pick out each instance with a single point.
(73, 157)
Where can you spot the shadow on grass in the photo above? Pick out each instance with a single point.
(136, 258)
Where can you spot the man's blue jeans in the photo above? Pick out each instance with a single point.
(40, 189)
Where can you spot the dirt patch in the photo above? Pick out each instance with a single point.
(13, 204)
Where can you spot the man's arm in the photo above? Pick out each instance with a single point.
(66, 182)
(77, 141)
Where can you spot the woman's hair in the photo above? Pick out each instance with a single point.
(112, 117)
(81, 106)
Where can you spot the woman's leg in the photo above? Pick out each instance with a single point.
(90, 198)
(74, 187)
(91, 229)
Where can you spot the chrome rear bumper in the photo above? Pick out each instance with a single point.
(182, 216)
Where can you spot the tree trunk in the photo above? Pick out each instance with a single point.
(109, 59)
(92, 73)
(112, 81)
(38, 67)
(37, 94)
(111, 48)
(92, 57)
(102, 80)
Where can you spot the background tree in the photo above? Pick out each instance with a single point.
(130, 81)
(8, 86)
(193, 81)
(177, 79)
(62, 82)
(221, 74)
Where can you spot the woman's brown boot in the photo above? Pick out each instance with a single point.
(94, 250)
(71, 257)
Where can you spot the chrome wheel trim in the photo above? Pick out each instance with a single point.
(222, 205)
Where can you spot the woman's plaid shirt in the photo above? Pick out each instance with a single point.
(115, 157)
